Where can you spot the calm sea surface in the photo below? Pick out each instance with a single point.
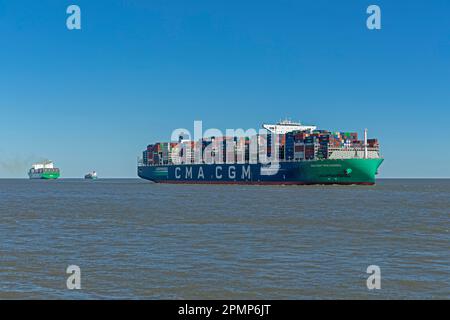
(133, 239)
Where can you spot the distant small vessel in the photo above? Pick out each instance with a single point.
(43, 170)
(91, 175)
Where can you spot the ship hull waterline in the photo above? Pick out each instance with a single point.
(44, 176)
(325, 172)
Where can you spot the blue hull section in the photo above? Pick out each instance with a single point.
(223, 173)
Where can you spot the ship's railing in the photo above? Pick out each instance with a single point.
(377, 149)
(355, 149)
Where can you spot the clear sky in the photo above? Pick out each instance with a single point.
(92, 99)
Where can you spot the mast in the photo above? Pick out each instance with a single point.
(365, 143)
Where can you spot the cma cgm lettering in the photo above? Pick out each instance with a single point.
(287, 153)
(211, 172)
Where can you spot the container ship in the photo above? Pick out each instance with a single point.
(288, 153)
(44, 170)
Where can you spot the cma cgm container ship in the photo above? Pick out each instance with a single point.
(298, 155)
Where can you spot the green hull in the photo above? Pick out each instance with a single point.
(345, 171)
(49, 176)
(44, 175)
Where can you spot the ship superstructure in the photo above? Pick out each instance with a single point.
(285, 126)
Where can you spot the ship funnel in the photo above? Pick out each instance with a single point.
(365, 143)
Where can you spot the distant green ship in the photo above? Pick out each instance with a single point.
(44, 170)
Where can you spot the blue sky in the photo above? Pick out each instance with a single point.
(94, 98)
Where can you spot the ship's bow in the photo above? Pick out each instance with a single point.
(341, 171)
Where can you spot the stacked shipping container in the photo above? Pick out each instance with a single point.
(293, 146)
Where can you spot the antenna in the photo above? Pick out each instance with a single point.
(365, 143)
